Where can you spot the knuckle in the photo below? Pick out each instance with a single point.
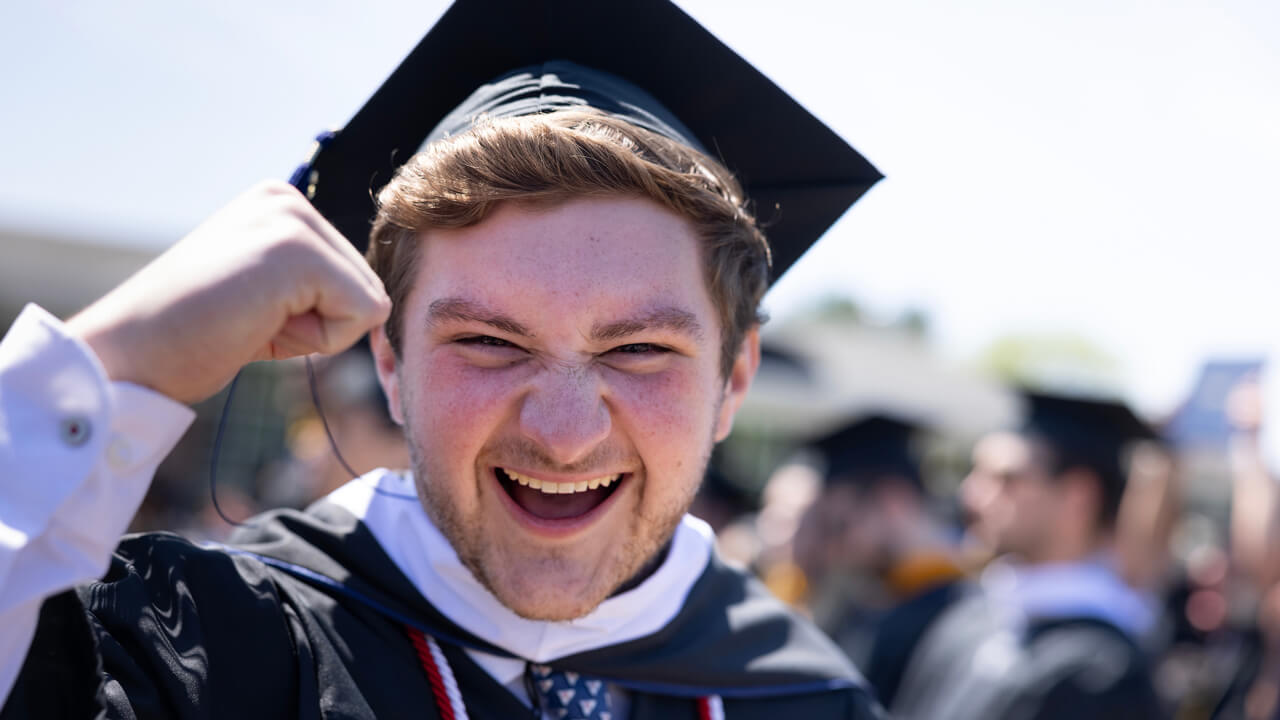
(285, 199)
(291, 241)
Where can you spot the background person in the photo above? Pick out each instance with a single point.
(1051, 630)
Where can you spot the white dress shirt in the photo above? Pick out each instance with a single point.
(77, 453)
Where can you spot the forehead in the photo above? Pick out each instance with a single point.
(604, 254)
(1004, 453)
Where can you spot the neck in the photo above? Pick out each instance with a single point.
(1069, 550)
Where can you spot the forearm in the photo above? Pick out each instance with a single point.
(1253, 501)
(77, 453)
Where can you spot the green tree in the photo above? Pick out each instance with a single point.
(1066, 361)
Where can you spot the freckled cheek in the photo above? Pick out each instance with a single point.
(673, 409)
(466, 404)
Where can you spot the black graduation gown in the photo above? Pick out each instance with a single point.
(305, 617)
(896, 635)
(968, 665)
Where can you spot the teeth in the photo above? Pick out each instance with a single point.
(565, 488)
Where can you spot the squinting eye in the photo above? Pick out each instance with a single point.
(639, 349)
(487, 351)
(486, 341)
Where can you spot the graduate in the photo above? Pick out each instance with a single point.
(893, 561)
(1050, 630)
(561, 286)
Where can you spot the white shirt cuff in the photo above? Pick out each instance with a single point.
(77, 453)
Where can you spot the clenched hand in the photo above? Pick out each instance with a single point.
(265, 278)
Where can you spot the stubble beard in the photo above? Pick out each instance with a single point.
(650, 531)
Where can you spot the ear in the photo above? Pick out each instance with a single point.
(384, 361)
(738, 382)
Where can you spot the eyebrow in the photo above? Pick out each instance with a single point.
(461, 310)
(664, 318)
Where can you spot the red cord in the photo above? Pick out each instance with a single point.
(419, 641)
(433, 673)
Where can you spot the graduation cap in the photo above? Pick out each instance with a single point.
(718, 488)
(643, 59)
(870, 450)
(1087, 432)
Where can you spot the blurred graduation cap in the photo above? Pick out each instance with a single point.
(872, 449)
(644, 59)
(717, 488)
(1085, 432)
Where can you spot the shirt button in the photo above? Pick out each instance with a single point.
(118, 455)
(75, 430)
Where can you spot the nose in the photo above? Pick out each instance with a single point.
(566, 414)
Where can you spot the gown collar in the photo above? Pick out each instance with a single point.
(387, 504)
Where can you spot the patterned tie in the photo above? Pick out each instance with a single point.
(569, 695)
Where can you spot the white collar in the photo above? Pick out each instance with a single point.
(1085, 589)
(386, 502)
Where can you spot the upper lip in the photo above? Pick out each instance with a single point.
(563, 477)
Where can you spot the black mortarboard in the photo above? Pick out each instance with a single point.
(717, 487)
(870, 450)
(1087, 432)
(799, 175)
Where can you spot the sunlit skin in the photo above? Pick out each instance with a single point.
(565, 343)
(1009, 496)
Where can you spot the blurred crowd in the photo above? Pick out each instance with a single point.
(1060, 566)
(1066, 575)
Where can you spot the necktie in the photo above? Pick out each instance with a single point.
(570, 695)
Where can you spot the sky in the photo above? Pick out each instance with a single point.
(1105, 168)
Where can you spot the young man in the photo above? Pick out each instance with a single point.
(563, 306)
(1051, 630)
(888, 563)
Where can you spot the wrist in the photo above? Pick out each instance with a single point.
(108, 343)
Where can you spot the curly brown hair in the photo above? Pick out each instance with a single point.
(458, 181)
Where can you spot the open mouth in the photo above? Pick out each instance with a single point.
(557, 500)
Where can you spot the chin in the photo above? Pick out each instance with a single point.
(542, 581)
(550, 609)
(549, 590)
